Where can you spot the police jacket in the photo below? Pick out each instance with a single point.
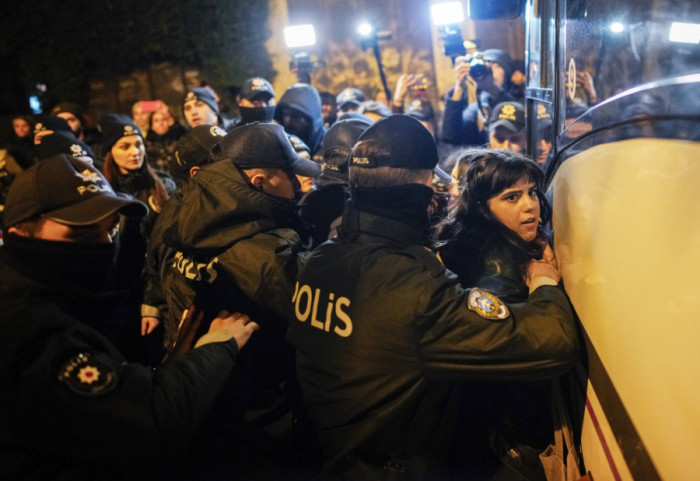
(383, 332)
(72, 407)
(235, 249)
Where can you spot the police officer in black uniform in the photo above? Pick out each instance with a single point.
(384, 333)
(72, 407)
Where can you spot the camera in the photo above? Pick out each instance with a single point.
(454, 45)
(477, 67)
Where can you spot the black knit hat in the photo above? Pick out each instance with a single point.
(204, 94)
(114, 127)
(337, 144)
(63, 143)
(66, 190)
(263, 146)
(410, 146)
(70, 107)
(374, 107)
(194, 147)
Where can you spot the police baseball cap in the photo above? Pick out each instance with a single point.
(206, 95)
(263, 146)
(337, 145)
(350, 97)
(194, 147)
(255, 87)
(116, 126)
(66, 190)
(410, 146)
(510, 115)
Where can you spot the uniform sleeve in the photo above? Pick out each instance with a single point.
(472, 334)
(73, 397)
(263, 267)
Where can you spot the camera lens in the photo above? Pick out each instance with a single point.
(478, 69)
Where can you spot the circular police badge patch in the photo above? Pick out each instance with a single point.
(85, 374)
(487, 305)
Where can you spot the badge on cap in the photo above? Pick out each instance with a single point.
(217, 131)
(77, 150)
(487, 305)
(87, 375)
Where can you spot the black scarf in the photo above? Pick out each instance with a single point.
(85, 266)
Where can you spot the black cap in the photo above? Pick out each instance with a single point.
(63, 143)
(374, 107)
(116, 126)
(194, 147)
(263, 146)
(49, 122)
(420, 109)
(350, 97)
(298, 144)
(256, 86)
(510, 115)
(205, 94)
(410, 145)
(544, 116)
(66, 190)
(337, 144)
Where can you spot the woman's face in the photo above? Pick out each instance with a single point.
(160, 123)
(129, 153)
(518, 208)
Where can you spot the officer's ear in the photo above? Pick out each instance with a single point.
(194, 170)
(258, 180)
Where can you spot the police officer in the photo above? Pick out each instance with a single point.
(236, 236)
(73, 408)
(384, 333)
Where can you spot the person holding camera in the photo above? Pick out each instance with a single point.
(464, 122)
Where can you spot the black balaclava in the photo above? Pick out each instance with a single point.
(256, 114)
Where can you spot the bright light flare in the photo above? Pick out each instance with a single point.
(616, 27)
(365, 29)
(299, 36)
(684, 32)
(447, 13)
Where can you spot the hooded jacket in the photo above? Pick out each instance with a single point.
(235, 249)
(305, 99)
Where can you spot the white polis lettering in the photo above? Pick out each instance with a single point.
(196, 271)
(306, 306)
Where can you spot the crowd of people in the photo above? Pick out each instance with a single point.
(301, 292)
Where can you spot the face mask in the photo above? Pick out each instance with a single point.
(257, 114)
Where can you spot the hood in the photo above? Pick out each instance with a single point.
(218, 208)
(304, 98)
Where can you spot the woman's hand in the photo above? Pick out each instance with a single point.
(546, 267)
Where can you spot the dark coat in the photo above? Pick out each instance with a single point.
(58, 422)
(383, 334)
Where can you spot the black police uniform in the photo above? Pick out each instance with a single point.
(383, 331)
(236, 248)
(72, 407)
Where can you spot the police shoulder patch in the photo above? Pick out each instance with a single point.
(487, 305)
(86, 374)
